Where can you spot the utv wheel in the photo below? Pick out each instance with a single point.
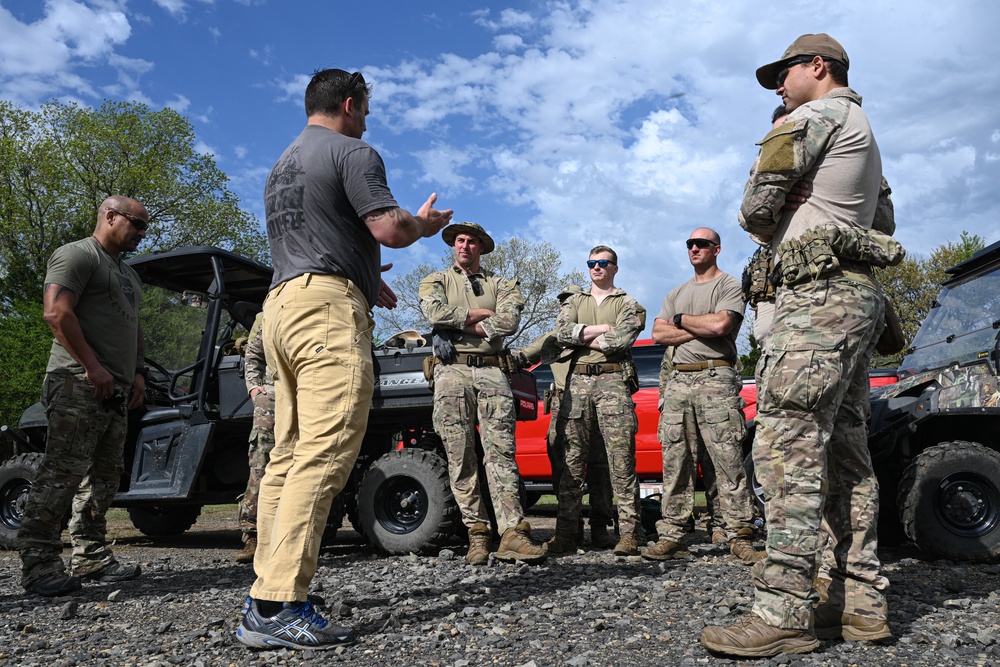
(164, 521)
(16, 477)
(949, 501)
(405, 503)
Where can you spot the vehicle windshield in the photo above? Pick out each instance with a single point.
(960, 327)
(173, 323)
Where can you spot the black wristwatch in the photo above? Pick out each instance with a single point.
(677, 319)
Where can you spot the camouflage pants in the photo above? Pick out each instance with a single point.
(259, 453)
(703, 407)
(82, 469)
(592, 407)
(463, 397)
(811, 453)
(598, 475)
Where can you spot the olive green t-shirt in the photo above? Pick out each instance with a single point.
(109, 292)
(694, 298)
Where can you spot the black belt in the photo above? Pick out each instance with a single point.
(596, 369)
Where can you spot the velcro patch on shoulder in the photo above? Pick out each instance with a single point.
(777, 149)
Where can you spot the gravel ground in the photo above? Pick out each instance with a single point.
(589, 608)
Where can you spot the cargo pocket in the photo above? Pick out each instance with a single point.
(671, 428)
(803, 371)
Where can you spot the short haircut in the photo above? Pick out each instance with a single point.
(837, 70)
(778, 112)
(604, 248)
(327, 91)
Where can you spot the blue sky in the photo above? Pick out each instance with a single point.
(623, 122)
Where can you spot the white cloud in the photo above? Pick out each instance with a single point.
(179, 104)
(632, 123)
(176, 8)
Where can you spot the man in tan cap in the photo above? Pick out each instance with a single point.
(810, 453)
(471, 310)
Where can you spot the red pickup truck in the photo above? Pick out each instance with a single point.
(533, 460)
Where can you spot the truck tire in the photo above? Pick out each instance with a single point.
(949, 501)
(163, 520)
(16, 476)
(405, 503)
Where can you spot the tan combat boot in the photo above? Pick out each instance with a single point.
(751, 637)
(719, 537)
(516, 544)
(741, 546)
(249, 549)
(627, 546)
(664, 550)
(600, 538)
(561, 543)
(479, 545)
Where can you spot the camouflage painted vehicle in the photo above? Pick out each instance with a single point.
(935, 434)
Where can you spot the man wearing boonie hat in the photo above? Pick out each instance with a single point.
(471, 310)
(810, 453)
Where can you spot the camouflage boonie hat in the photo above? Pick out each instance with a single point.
(820, 44)
(451, 231)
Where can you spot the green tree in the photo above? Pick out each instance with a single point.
(59, 163)
(537, 267)
(23, 356)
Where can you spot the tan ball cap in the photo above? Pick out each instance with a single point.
(451, 231)
(820, 44)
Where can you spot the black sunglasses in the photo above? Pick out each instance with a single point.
(603, 263)
(789, 65)
(701, 243)
(355, 78)
(477, 289)
(138, 223)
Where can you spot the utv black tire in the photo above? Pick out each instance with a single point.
(16, 477)
(949, 501)
(334, 520)
(164, 520)
(405, 503)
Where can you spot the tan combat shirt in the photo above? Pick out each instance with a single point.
(626, 317)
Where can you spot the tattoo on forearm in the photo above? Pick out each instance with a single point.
(393, 214)
(59, 292)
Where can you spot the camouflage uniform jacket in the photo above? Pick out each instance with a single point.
(579, 308)
(446, 297)
(255, 369)
(816, 136)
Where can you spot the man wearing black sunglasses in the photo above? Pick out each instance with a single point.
(476, 309)
(598, 327)
(700, 320)
(91, 303)
(329, 211)
(829, 312)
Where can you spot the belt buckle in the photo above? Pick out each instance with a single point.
(594, 369)
(475, 361)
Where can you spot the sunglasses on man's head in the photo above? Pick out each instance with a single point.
(701, 243)
(603, 263)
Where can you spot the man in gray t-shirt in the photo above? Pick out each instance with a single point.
(700, 321)
(329, 211)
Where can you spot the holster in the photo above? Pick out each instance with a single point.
(428, 366)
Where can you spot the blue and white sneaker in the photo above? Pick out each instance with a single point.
(297, 626)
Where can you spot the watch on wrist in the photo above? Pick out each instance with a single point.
(677, 319)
